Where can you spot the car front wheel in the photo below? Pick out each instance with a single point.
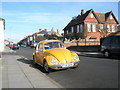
(107, 54)
(46, 67)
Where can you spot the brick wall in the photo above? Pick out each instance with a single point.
(93, 35)
(88, 43)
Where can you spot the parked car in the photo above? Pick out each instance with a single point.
(51, 54)
(33, 45)
(15, 46)
(10, 46)
(23, 45)
(111, 46)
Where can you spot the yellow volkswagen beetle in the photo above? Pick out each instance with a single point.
(51, 54)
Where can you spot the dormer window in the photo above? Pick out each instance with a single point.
(111, 17)
(91, 15)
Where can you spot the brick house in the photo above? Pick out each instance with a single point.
(41, 32)
(29, 40)
(91, 25)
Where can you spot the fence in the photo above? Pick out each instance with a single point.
(82, 42)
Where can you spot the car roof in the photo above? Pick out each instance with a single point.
(46, 41)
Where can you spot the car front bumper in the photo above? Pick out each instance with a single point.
(62, 66)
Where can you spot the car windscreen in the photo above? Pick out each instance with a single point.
(15, 45)
(51, 45)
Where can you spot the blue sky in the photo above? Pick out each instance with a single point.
(25, 18)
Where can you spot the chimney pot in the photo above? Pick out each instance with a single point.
(82, 11)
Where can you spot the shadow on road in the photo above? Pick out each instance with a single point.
(31, 64)
(36, 66)
(99, 55)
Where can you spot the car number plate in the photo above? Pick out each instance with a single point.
(68, 65)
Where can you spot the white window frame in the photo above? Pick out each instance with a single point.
(113, 28)
(81, 27)
(89, 27)
(108, 28)
(93, 27)
(72, 29)
(101, 26)
(78, 28)
(91, 15)
(111, 17)
(66, 31)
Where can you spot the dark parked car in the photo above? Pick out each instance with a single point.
(15, 46)
(23, 45)
(111, 46)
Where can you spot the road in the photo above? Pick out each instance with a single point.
(94, 71)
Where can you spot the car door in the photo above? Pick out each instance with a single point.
(40, 54)
(115, 45)
(106, 45)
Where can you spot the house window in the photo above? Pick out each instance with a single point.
(78, 28)
(113, 28)
(108, 28)
(94, 27)
(111, 17)
(72, 29)
(91, 15)
(89, 27)
(101, 26)
(66, 31)
(81, 28)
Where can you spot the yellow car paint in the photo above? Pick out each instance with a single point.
(60, 55)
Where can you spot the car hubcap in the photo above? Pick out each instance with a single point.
(106, 54)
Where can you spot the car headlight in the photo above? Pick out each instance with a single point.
(53, 60)
(75, 57)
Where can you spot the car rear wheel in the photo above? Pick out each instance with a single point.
(34, 60)
(46, 67)
(107, 54)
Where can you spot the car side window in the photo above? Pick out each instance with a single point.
(114, 40)
(107, 40)
(40, 47)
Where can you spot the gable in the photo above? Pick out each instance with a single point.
(91, 18)
(111, 19)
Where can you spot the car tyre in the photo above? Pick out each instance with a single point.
(34, 60)
(107, 54)
(46, 67)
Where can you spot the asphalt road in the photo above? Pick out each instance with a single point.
(94, 71)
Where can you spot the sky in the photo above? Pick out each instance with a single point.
(25, 18)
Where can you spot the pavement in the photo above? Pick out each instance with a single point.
(16, 74)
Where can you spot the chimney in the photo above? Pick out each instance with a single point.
(45, 29)
(52, 30)
(82, 11)
(40, 29)
(58, 31)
